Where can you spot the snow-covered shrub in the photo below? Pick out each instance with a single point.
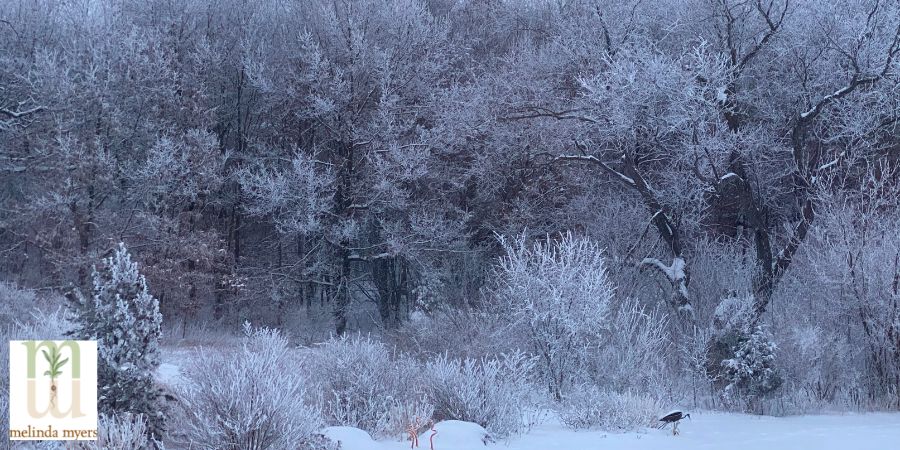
(555, 293)
(741, 355)
(125, 320)
(14, 303)
(120, 432)
(361, 381)
(633, 357)
(733, 313)
(819, 367)
(458, 332)
(751, 373)
(39, 324)
(252, 399)
(591, 407)
(494, 393)
(405, 415)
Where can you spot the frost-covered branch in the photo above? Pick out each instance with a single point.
(20, 114)
(534, 112)
(593, 159)
(668, 230)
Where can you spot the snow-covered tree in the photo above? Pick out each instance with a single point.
(751, 373)
(124, 318)
(740, 354)
(556, 294)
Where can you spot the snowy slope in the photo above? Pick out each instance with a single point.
(713, 431)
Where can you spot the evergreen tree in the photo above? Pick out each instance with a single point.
(751, 373)
(125, 320)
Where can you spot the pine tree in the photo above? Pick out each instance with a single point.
(125, 320)
(751, 373)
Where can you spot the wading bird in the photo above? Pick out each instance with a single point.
(673, 417)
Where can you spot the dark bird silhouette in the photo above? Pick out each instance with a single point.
(673, 417)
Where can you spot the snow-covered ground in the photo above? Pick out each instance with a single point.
(703, 431)
(718, 431)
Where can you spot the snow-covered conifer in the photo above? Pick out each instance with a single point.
(751, 373)
(124, 318)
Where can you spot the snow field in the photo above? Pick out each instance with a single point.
(713, 431)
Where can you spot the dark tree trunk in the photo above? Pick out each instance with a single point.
(391, 278)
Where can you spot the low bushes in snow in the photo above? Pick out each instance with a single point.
(495, 393)
(630, 357)
(120, 432)
(363, 384)
(16, 303)
(38, 324)
(250, 400)
(591, 407)
(751, 372)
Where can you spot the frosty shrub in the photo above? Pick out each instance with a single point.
(633, 354)
(361, 383)
(38, 324)
(250, 400)
(124, 318)
(403, 415)
(818, 366)
(555, 293)
(458, 332)
(52, 324)
(590, 407)
(741, 355)
(494, 393)
(14, 303)
(120, 432)
(21, 318)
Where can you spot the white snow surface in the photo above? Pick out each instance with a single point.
(456, 435)
(713, 431)
(352, 438)
(168, 374)
(450, 435)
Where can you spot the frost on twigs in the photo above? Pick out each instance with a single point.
(251, 399)
(361, 383)
(492, 392)
(556, 294)
(591, 407)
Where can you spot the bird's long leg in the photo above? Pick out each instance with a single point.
(675, 429)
